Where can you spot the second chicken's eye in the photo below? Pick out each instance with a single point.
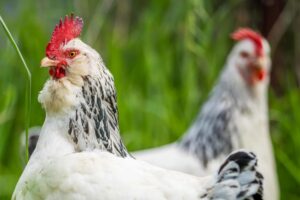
(244, 54)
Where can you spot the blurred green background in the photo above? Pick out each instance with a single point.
(165, 56)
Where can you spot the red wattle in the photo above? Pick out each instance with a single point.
(260, 74)
(57, 72)
(51, 72)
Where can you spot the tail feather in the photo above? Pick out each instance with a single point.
(238, 178)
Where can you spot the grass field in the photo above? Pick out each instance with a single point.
(165, 56)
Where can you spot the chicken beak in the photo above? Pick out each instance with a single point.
(46, 62)
(260, 63)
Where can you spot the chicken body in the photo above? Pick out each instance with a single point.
(57, 171)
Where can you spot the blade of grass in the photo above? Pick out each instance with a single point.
(288, 164)
(28, 87)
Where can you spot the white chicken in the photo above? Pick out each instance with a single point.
(80, 154)
(235, 116)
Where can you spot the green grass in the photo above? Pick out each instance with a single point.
(28, 88)
(165, 57)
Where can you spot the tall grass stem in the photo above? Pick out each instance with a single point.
(28, 87)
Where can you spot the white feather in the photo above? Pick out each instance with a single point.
(56, 171)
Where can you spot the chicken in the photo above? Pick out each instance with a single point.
(235, 116)
(80, 154)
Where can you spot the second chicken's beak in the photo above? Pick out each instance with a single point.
(259, 63)
(258, 69)
(46, 62)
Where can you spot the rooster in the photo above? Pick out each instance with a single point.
(235, 116)
(80, 154)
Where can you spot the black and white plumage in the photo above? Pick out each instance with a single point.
(95, 124)
(89, 128)
(235, 116)
(72, 160)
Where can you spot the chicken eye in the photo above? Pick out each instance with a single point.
(72, 54)
(244, 54)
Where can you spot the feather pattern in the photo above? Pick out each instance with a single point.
(216, 133)
(95, 124)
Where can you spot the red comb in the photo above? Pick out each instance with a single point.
(63, 32)
(247, 33)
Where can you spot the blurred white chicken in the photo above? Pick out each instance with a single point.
(80, 154)
(235, 116)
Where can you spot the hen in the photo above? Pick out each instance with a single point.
(235, 116)
(80, 154)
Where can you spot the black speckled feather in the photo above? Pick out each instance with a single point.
(214, 131)
(95, 124)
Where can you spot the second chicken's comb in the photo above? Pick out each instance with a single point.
(247, 33)
(63, 32)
